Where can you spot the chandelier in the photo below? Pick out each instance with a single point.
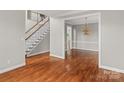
(86, 28)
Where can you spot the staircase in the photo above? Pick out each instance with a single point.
(36, 34)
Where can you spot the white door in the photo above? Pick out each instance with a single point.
(69, 38)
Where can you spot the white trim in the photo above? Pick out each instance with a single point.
(100, 41)
(53, 55)
(79, 23)
(12, 68)
(82, 16)
(86, 49)
(70, 32)
(37, 53)
(112, 69)
(70, 13)
(84, 42)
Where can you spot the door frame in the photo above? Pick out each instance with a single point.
(99, 32)
(70, 33)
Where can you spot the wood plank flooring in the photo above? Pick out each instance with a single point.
(80, 66)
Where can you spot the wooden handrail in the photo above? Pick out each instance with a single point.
(37, 29)
(32, 27)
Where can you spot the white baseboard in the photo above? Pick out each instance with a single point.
(12, 68)
(57, 56)
(38, 53)
(86, 49)
(112, 69)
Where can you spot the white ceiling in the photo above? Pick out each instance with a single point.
(90, 19)
(61, 13)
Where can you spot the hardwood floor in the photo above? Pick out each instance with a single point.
(80, 66)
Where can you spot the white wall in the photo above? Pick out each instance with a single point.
(112, 36)
(12, 43)
(44, 46)
(86, 42)
(57, 38)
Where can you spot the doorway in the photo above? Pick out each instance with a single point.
(69, 38)
(79, 40)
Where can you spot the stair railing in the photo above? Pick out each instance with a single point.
(33, 32)
(40, 23)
